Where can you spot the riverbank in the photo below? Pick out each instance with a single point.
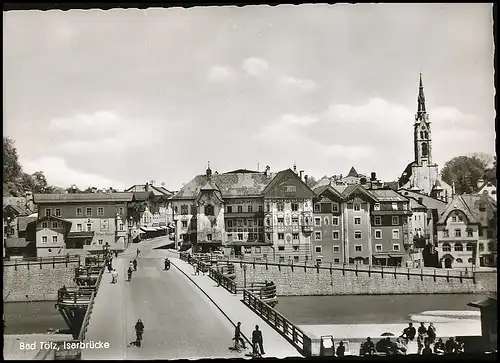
(13, 344)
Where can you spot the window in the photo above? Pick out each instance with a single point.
(58, 212)
(240, 222)
(395, 234)
(395, 247)
(376, 206)
(209, 237)
(317, 221)
(405, 206)
(377, 220)
(319, 260)
(280, 206)
(335, 234)
(47, 211)
(240, 236)
(469, 232)
(336, 248)
(281, 222)
(120, 227)
(459, 260)
(281, 248)
(79, 212)
(357, 220)
(454, 218)
(248, 249)
(358, 248)
(335, 221)
(229, 209)
(325, 221)
(100, 211)
(250, 223)
(317, 208)
(295, 236)
(229, 223)
(268, 236)
(378, 248)
(44, 239)
(295, 221)
(54, 239)
(491, 246)
(184, 224)
(45, 225)
(54, 225)
(446, 233)
(176, 209)
(260, 222)
(335, 207)
(295, 207)
(458, 233)
(357, 235)
(194, 210)
(261, 208)
(295, 248)
(469, 247)
(89, 227)
(336, 260)
(394, 206)
(88, 211)
(295, 258)
(395, 220)
(378, 234)
(458, 247)
(240, 209)
(290, 189)
(184, 209)
(281, 236)
(281, 259)
(79, 227)
(209, 210)
(121, 210)
(357, 207)
(318, 249)
(317, 235)
(100, 242)
(469, 260)
(446, 247)
(229, 236)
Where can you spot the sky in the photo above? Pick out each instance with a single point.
(121, 97)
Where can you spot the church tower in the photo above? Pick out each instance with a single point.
(422, 141)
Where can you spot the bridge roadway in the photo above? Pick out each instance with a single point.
(180, 321)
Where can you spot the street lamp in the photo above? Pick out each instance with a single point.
(245, 276)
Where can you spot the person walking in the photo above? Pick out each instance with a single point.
(138, 253)
(340, 352)
(422, 335)
(237, 337)
(257, 342)
(114, 276)
(139, 330)
(135, 264)
(129, 273)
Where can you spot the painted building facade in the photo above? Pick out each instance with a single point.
(51, 232)
(488, 188)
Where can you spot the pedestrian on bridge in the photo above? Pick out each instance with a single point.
(114, 277)
(138, 252)
(257, 341)
(237, 337)
(135, 264)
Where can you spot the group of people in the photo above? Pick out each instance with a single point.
(114, 274)
(257, 343)
(426, 336)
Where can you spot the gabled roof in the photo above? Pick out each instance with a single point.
(387, 195)
(157, 191)
(328, 189)
(428, 201)
(231, 185)
(238, 171)
(281, 179)
(414, 204)
(16, 209)
(486, 183)
(140, 196)
(82, 198)
(16, 242)
(353, 172)
(53, 217)
(470, 205)
(357, 187)
(322, 182)
(23, 221)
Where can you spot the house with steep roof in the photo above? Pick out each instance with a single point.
(353, 177)
(486, 187)
(246, 212)
(467, 232)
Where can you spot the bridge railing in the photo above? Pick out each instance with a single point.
(41, 261)
(222, 280)
(293, 334)
(86, 319)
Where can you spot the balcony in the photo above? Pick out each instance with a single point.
(308, 228)
(244, 214)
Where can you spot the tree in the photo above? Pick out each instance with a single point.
(490, 174)
(311, 182)
(465, 171)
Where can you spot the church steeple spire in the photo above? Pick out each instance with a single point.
(421, 99)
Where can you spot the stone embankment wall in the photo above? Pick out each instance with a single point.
(21, 283)
(323, 281)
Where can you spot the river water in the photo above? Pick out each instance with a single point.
(369, 309)
(36, 317)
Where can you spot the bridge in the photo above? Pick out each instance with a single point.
(185, 315)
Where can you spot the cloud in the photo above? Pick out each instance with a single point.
(301, 84)
(59, 174)
(101, 121)
(255, 66)
(220, 74)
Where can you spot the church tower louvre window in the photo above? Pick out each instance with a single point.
(422, 131)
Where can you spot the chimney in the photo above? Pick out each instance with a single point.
(73, 189)
(420, 200)
(305, 178)
(480, 182)
(340, 176)
(268, 170)
(374, 176)
(295, 168)
(146, 187)
(362, 181)
(302, 175)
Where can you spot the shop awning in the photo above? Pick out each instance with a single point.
(86, 234)
(388, 255)
(147, 229)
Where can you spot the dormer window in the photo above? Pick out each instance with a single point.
(290, 189)
(376, 206)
